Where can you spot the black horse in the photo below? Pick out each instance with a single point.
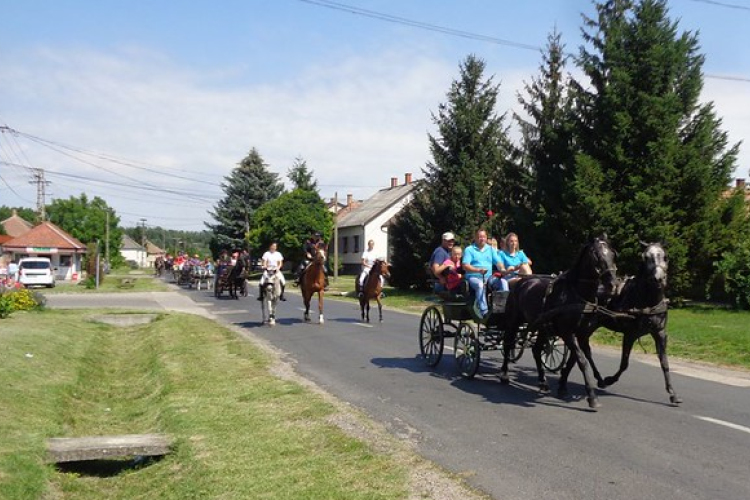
(639, 308)
(236, 280)
(563, 306)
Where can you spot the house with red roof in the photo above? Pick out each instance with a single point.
(48, 240)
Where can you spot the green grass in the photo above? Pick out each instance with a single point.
(239, 431)
(113, 283)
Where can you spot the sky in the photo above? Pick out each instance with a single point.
(151, 104)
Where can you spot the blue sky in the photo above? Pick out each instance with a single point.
(169, 96)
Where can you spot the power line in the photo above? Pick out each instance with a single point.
(475, 36)
(724, 4)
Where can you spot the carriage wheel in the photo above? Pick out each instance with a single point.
(467, 350)
(554, 354)
(431, 336)
(519, 345)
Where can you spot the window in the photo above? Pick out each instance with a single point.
(345, 244)
(356, 244)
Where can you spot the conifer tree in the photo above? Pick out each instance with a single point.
(249, 186)
(654, 160)
(301, 176)
(548, 152)
(469, 175)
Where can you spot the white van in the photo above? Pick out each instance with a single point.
(36, 271)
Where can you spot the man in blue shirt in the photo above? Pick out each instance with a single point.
(479, 262)
(438, 258)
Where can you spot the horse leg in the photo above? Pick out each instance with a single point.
(628, 340)
(660, 340)
(584, 341)
(320, 306)
(562, 384)
(380, 308)
(509, 339)
(306, 298)
(536, 350)
(362, 307)
(583, 365)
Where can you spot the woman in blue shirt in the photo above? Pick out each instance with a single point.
(515, 260)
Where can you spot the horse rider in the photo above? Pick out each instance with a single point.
(272, 260)
(479, 261)
(368, 260)
(310, 248)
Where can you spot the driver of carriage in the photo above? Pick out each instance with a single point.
(440, 260)
(514, 259)
(272, 261)
(368, 260)
(479, 261)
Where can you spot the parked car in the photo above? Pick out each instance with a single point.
(36, 271)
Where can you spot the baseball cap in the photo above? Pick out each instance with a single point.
(449, 236)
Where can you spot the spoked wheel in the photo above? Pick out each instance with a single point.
(431, 336)
(467, 350)
(519, 345)
(554, 354)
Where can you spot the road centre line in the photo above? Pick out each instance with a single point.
(736, 427)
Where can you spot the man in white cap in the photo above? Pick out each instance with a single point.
(440, 259)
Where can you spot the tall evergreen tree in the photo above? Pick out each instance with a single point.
(301, 176)
(471, 174)
(654, 159)
(548, 151)
(249, 186)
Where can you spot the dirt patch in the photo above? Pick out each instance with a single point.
(125, 320)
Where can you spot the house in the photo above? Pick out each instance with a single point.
(16, 226)
(132, 251)
(369, 221)
(152, 252)
(48, 240)
(740, 185)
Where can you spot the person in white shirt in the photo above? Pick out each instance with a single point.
(272, 260)
(368, 260)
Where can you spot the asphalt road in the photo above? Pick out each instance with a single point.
(510, 441)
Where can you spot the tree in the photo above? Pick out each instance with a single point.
(470, 178)
(301, 177)
(86, 220)
(653, 160)
(289, 220)
(246, 189)
(547, 142)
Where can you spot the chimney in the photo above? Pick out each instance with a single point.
(407, 179)
(349, 200)
(394, 182)
(740, 183)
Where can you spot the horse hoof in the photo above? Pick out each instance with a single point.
(504, 380)
(594, 403)
(675, 399)
(321, 319)
(601, 384)
(609, 381)
(544, 388)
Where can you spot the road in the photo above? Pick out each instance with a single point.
(510, 441)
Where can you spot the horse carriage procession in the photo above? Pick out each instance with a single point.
(556, 316)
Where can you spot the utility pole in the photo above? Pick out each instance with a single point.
(106, 240)
(335, 236)
(143, 240)
(41, 184)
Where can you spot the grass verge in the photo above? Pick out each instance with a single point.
(240, 432)
(114, 283)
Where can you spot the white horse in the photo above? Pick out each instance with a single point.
(271, 294)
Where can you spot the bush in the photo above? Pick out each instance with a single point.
(734, 270)
(20, 300)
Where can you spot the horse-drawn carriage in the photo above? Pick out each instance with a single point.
(201, 277)
(454, 318)
(232, 279)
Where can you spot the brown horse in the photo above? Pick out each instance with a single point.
(373, 288)
(314, 281)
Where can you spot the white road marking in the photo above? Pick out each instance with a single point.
(363, 325)
(736, 427)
